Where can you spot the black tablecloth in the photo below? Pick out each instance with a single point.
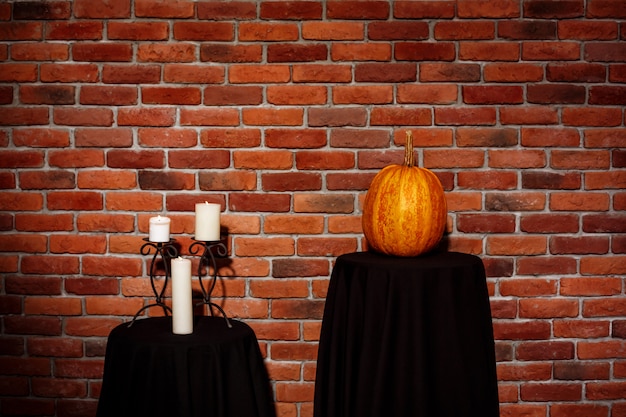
(407, 337)
(216, 371)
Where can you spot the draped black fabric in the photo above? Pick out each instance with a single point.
(407, 337)
(216, 371)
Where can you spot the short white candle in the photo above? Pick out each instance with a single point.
(182, 309)
(208, 222)
(159, 229)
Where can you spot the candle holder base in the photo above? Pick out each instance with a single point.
(165, 251)
(206, 250)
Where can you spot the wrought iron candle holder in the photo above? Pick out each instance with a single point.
(208, 251)
(164, 251)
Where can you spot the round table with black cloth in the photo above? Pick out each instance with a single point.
(407, 337)
(215, 372)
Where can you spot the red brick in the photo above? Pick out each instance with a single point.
(423, 9)
(104, 138)
(77, 244)
(400, 116)
(489, 51)
(337, 73)
(133, 202)
(52, 179)
(576, 201)
(74, 30)
(90, 326)
(541, 350)
(296, 52)
(333, 31)
(360, 52)
(579, 410)
(425, 51)
(37, 137)
(92, 286)
(199, 159)
(188, 73)
(528, 330)
(464, 30)
(76, 158)
(230, 138)
(268, 247)
(397, 30)
(337, 116)
(108, 95)
(504, 180)
(527, 29)
(83, 116)
(499, 158)
(74, 200)
(39, 11)
(273, 117)
(79, 368)
(315, 203)
(538, 308)
(164, 9)
(166, 52)
(524, 372)
(300, 224)
(509, 72)
(260, 202)
(21, 31)
(489, 9)
(43, 222)
(581, 245)
(238, 95)
(609, 96)
(55, 347)
(102, 52)
(581, 328)
(551, 51)
(603, 223)
(109, 10)
(492, 95)
(372, 10)
(546, 9)
(218, 10)
(291, 181)
(131, 74)
(22, 201)
(138, 31)
(276, 73)
(267, 32)
(32, 325)
(203, 31)
(604, 51)
(552, 391)
(171, 95)
(59, 388)
(550, 223)
(33, 285)
(314, 246)
(378, 94)
(427, 94)
(486, 223)
(21, 159)
(546, 265)
(135, 159)
(167, 138)
(512, 245)
(27, 116)
(40, 52)
(474, 116)
(296, 95)
(556, 94)
(209, 117)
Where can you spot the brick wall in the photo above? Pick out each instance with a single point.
(113, 111)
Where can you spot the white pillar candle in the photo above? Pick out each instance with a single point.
(208, 222)
(182, 309)
(159, 229)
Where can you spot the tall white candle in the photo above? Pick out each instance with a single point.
(182, 309)
(208, 221)
(159, 229)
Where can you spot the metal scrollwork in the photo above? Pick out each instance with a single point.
(208, 252)
(165, 251)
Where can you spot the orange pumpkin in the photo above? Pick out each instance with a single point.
(405, 211)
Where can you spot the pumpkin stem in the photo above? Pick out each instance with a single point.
(409, 156)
